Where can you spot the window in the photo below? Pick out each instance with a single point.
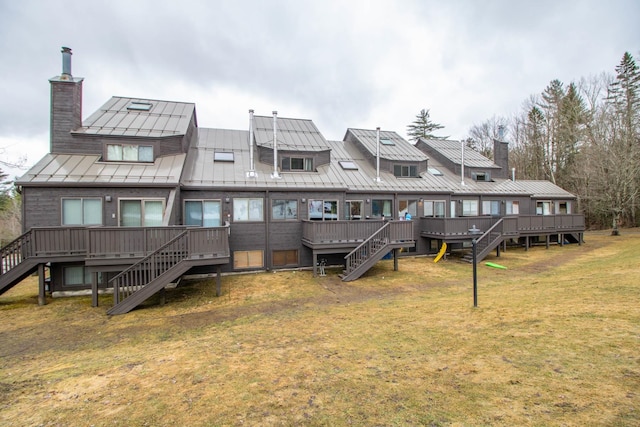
(140, 106)
(491, 207)
(248, 210)
(453, 205)
(285, 258)
(434, 208)
(434, 171)
(348, 166)
(543, 208)
(297, 164)
(513, 207)
(223, 156)
(77, 275)
(284, 209)
(82, 211)
(410, 206)
(481, 176)
(141, 212)
(405, 171)
(386, 141)
(129, 153)
(563, 207)
(202, 213)
(381, 208)
(469, 208)
(353, 210)
(323, 210)
(248, 259)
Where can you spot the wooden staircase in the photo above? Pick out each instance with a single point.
(369, 252)
(18, 261)
(487, 242)
(152, 273)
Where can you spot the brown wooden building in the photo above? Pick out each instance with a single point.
(136, 195)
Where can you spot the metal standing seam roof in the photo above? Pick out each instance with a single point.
(402, 150)
(75, 169)
(453, 151)
(164, 118)
(292, 134)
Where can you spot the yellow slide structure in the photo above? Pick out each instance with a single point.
(443, 249)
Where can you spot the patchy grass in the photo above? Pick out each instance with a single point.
(554, 341)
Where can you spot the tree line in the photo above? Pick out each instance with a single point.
(584, 137)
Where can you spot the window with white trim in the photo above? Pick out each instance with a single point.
(141, 212)
(491, 207)
(323, 210)
(513, 207)
(353, 210)
(82, 211)
(434, 208)
(248, 209)
(469, 208)
(407, 206)
(203, 213)
(284, 209)
(129, 153)
(543, 208)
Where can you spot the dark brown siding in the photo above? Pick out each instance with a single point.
(66, 113)
(43, 206)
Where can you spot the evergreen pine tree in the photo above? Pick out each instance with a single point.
(422, 127)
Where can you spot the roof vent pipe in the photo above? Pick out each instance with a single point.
(513, 174)
(500, 133)
(275, 173)
(462, 163)
(252, 167)
(66, 63)
(378, 154)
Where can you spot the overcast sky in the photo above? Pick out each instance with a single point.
(341, 63)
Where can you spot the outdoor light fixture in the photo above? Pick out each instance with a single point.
(227, 200)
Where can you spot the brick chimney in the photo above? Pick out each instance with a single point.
(66, 106)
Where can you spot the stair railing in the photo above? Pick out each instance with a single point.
(488, 237)
(150, 267)
(15, 252)
(376, 242)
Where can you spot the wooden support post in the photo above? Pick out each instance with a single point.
(548, 237)
(315, 264)
(526, 243)
(94, 289)
(218, 280)
(498, 250)
(42, 298)
(580, 237)
(395, 260)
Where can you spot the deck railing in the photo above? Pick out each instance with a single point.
(512, 225)
(319, 232)
(127, 242)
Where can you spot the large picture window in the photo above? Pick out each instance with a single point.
(82, 211)
(469, 208)
(513, 207)
(380, 208)
(284, 209)
(129, 153)
(491, 207)
(323, 210)
(248, 209)
(434, 208)
(407, 206)
(203, 213)
(141, 212)
(543, 208)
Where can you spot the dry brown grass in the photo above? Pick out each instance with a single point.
(554, 341)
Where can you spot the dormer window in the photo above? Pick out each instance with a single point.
(481, 176)
(297, 164)
(129, 153)
(403, 171)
